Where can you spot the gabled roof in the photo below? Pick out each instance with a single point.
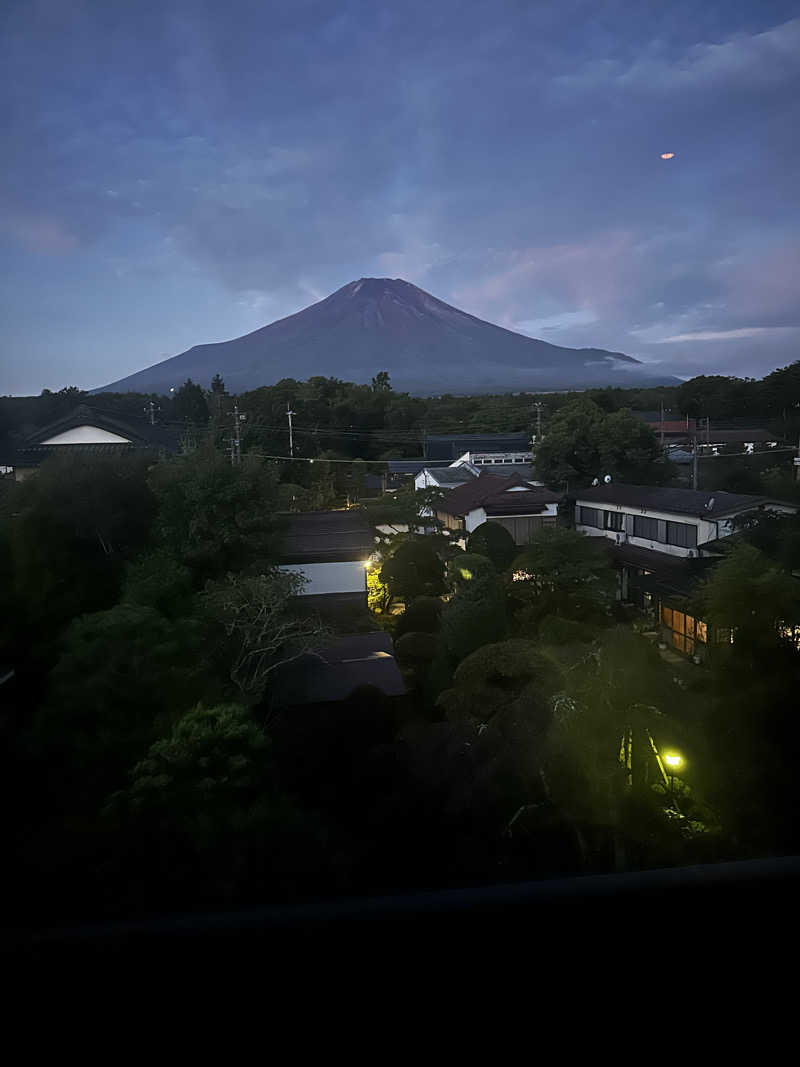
(139, 432)
(491, 492)
(678, 501)
(326, 537)
(332, 673)
(453, 475)
(139, 436)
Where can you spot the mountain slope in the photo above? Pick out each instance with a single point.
(388, 324)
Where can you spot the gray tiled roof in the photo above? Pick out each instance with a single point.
(490, 491)
(451, 446)
(332, 673)
(453, 475)
(326, 537)
(678, 501)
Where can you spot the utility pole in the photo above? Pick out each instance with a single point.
(236, 441)
(150, 410)
(538, 406)
(708, 430)
(662, 425)
(289, 414)
(694, 461)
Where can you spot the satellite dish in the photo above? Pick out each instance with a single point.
(595, 481)
(607, 479)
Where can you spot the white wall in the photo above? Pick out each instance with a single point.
(475, 518)
(86, 435)
(707, 529)
(330, 577)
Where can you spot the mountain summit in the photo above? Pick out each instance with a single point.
(388, 324)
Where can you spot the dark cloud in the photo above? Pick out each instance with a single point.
(249, 158)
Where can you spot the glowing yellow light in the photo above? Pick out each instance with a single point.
(465, 573)
(672, 759)
(367, 564)
(667, 155)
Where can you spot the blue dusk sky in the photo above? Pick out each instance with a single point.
(184, 172)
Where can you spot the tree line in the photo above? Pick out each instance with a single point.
(374, 421)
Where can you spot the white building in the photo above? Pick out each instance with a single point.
(677, 522)
(663, 542)
(470, 465)
(512, 502)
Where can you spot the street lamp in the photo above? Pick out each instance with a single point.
(673, 761)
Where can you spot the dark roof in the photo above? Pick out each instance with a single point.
(490, 491)
(451, 446)
(326, 537)
(332, 673)
(141, 435)
(414, 466)
(669, 575)
(524, 470)
(678, 501)
(679, 455)
(724, 437)
(454, 475)
(138, 431)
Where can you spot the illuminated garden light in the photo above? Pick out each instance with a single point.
(672, 759)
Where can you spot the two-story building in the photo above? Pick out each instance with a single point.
(663, 541)
(510, 501)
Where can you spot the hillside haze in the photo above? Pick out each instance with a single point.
(377, 324)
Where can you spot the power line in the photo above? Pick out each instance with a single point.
(317, 459)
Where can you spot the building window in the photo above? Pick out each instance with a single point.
(685, 630)
(614, 520)
(646, 528)
(682, 534)
(589, 517)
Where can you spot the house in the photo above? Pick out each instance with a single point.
(464, 469)
(510, 501)
(485, 449)
(333, 673)
(663, 541)
(88, 431)
(330, 549)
